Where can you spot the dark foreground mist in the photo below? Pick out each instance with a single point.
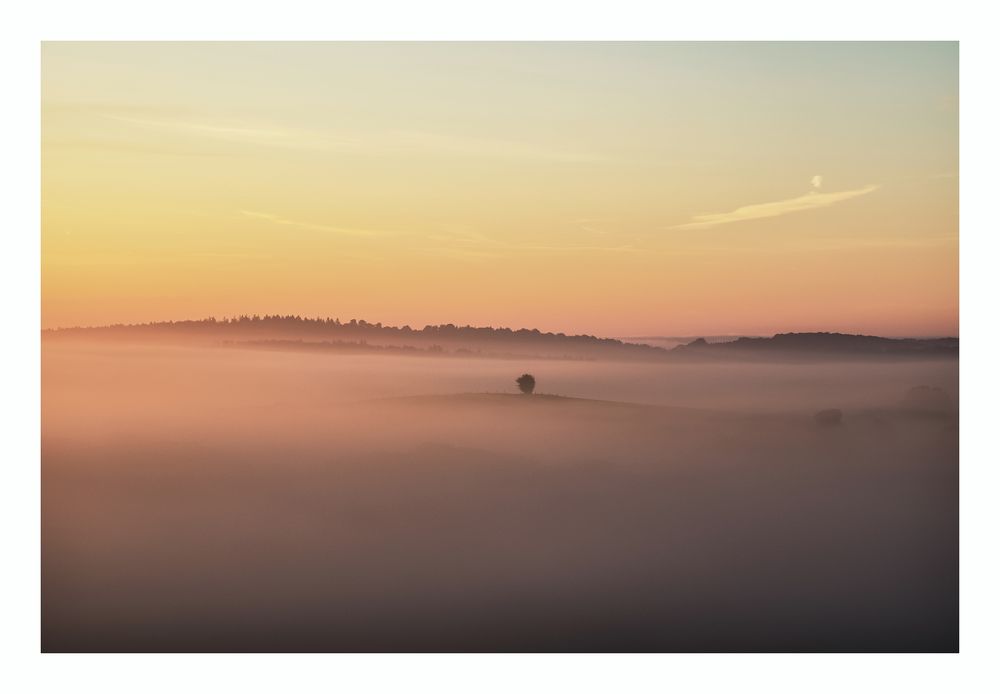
(219, 500)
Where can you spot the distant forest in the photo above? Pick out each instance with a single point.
(467, 339)
(298, 333)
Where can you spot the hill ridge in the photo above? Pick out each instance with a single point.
(293, 331)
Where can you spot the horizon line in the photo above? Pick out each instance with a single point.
(235, 318)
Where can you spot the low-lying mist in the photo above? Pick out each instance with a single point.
(211, 499)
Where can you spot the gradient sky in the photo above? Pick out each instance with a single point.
(614, 189)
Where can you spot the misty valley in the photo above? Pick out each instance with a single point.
(198, 497)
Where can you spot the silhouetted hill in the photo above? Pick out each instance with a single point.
(332, 335)
(669, 342)
(822, 345)
(298, 333)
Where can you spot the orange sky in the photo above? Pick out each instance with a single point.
(614, 189)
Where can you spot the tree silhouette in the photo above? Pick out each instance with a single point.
(526, 383)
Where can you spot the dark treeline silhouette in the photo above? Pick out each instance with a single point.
(446, 337)
(822, 344)
(489, 341)
(355, 327)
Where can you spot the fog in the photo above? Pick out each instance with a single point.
(213, 499)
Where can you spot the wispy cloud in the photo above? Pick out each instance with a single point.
(464, 145)
(591, 225)
(281, 221)
(227, 131)
(466, 244)
(460, 253)
(241, 133)
(810, 201)
(374, 143)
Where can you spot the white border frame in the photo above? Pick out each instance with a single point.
(27, 670)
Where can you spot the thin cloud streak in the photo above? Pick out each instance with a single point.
(384, 143)
(481, 244)
(449, 144)
(206, 128)
(281, 221)
(293, 138)
(810, 201)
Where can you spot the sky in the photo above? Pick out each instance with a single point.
(616, 189)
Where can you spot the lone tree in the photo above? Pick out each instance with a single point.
(526, 383)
